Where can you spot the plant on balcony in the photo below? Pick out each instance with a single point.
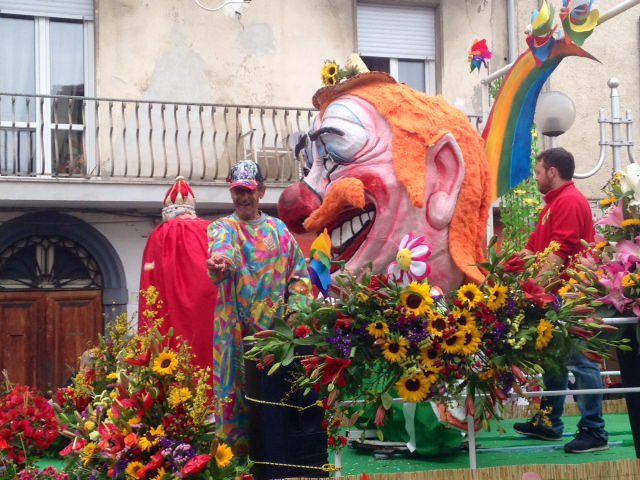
(378, 339)
(149, 413)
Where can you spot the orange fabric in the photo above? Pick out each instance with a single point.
(345, 192)
(418, 121)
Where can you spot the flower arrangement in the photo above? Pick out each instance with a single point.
(28, 424)
(149, 413)
(11, 471)
(378, 339)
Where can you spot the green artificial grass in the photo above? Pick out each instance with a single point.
(527, 451)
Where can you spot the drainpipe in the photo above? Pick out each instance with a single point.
(512, 32)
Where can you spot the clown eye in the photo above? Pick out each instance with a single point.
(341, 136)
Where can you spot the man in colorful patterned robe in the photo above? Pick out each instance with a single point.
(258, 268)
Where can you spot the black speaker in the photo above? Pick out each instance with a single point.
(281, 434)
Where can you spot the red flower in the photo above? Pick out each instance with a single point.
(302, 331)
(196, 464)
(333, 370)
(343, 321)
(311, 363)
(381, 414)
(141, 360)
(515, 264)
(331, 441)
(75, 446)
(343, 440)
(374, 283)
(535, 293)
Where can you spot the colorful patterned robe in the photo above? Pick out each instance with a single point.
(267, 270)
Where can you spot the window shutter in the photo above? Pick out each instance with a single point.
(75, 9)
(396, 31)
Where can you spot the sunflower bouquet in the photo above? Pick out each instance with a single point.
(148, 413)
(382, 337)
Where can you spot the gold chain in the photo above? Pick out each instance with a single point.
(327, 467)
(280, 404)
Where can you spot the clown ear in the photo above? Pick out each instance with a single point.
(445, 173)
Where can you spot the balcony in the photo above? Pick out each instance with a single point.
(114, 153)
(58, 151)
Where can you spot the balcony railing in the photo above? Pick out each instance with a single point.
(101, 138)
(115, 139)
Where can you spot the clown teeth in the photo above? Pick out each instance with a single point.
(341, 236)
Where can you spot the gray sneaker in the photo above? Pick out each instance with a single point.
(587, 440)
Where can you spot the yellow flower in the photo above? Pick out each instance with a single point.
(112, 376)
(135, 420)
(545, 334)
(89, 425)
(566, 288)
(630, 222)
(438, 325)
(629, 280)
(454, 344)
(378, 329)
(87, 453)
(329, 73)
(607, 201)
(472, 338)
(146, 443)
(497, 297)
(428, 356)
(133, 468)
(487, 374)
(166, 363)
(157, 432)
(223, 455)
(600, 245)
(416, 298)
(414, 388)
(518, 191)
(178, 396)
(531, 201)
(470, 295)
(160, 473)
(395, 350)
(464, 318)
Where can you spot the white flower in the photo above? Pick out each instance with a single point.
(411, 261)
(630, 182)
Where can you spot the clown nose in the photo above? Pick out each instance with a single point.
(296, 204)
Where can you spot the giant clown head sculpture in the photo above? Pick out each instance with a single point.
(385, 160)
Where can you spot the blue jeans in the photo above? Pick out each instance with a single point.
(587, 374)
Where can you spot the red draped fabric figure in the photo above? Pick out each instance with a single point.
(174, 262)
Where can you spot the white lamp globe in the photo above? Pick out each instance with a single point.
(555, 113)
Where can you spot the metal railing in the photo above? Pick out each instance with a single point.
(106, 138)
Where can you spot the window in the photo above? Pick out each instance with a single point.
(399, 40)
(44, 60)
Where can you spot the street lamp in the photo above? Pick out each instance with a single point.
(555, 113)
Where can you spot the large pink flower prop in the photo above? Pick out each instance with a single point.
(614, 217)
(410, 264)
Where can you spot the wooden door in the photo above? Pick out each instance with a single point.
(43, 333)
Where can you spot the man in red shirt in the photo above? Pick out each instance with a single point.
(565, 219)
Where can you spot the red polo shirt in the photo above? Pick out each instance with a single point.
(566, 219)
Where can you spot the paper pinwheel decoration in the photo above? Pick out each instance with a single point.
(411, 261)
(578, 20)
(320, 264)
(479, 55)
(541, 39)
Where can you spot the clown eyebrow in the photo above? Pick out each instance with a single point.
(321, 131)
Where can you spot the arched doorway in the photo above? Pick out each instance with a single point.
(57, 278)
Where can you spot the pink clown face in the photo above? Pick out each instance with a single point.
(352, 190)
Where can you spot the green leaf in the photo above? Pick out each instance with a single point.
(274, 368)
(288, 356)
(387, 401)
(380, 435)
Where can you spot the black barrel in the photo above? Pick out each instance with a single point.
(280, 434)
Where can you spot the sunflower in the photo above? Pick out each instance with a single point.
(329, 73)
(545, 334)
(630, 222)
(497, 297)
(454, 344)
(470, 295)
(428, 356)
(378, 329)
(416, 298)
(133, 468)
(166, 363)
(223, 455)
(178, 396)
(464, 318)
(472, 338)
(414, 388)
(438, 325)
(395, 350)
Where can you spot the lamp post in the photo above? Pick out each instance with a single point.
(555, 113)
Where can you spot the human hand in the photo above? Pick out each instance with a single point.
(218, 265)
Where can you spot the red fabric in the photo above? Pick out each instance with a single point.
(174, 261)
(566, 219)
